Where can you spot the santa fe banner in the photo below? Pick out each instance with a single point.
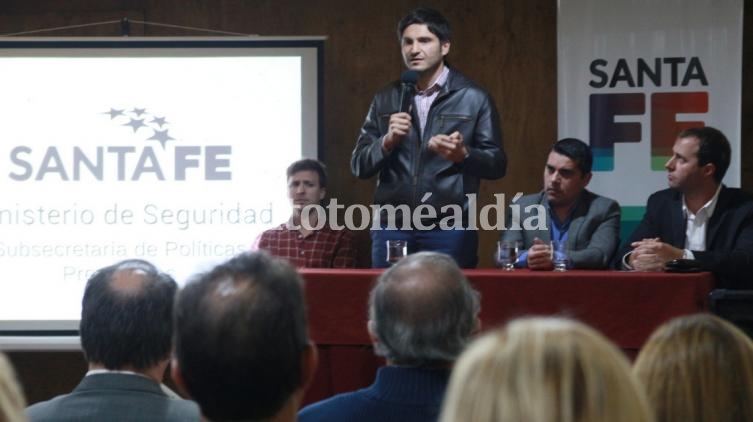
(633, 73)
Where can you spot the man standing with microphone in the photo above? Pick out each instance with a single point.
(430, 138)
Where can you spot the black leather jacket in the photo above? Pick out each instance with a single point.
(411, 170)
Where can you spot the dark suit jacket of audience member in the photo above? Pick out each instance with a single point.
(113, 397)
(729, 233)
(594, 230)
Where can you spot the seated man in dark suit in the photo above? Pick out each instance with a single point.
(126, 334)
(422, 312)
(241, 342)
(565, 211)
(697, 217)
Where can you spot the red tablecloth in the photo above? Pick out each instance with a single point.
(625, 306)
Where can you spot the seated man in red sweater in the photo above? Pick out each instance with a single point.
(304, 240)
(422, 312)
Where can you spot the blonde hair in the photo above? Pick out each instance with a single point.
(544, 370)
(12, 402)
(698, 368)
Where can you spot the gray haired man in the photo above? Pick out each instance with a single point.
(422, 312)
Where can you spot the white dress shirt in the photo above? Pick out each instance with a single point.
(696, 225)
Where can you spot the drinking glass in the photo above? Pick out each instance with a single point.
(507, 254)
(560, 255)
(396, 250)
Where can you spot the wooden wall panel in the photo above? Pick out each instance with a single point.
(47, 374)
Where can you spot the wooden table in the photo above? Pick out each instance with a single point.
(624, 306)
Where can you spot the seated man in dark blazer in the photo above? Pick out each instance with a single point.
(242, 349)
(565, 211)
(697, 217)
(126, 334)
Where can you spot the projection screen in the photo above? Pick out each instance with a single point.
(170, 150)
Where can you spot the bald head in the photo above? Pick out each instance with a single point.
(126, 316)
(129, 279)
(240, 334)
(422, 310)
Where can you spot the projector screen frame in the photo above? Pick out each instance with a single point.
(63, 334)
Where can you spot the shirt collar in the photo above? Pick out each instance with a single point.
(707, 208)
(289, 226)
(112, 371)
(564, 224)
(438, 84)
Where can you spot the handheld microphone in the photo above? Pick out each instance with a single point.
(407, 89)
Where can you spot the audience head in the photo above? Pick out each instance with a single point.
(422, 311)
(698, 368)
(241, 344)
(567, 172)
(126, 316)
(12, 402)
(544, 370)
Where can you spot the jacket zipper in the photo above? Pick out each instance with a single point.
(422, 145)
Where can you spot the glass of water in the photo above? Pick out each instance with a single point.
(396, 250)
(560, 255)
(507, 254)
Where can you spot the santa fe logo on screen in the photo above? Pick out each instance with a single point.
(153, 155)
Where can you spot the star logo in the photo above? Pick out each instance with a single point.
(160, 121)
(114, 113)
(137, 118)
(135, 124)
(161, 136)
